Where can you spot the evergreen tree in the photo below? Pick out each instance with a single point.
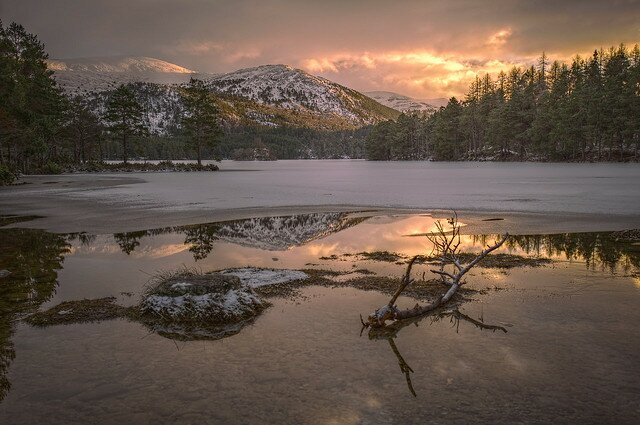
(31, 104)
(124, 115)
(200, 121)
(587, 110)
(84, 129)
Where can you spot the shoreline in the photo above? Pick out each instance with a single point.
(48, 197)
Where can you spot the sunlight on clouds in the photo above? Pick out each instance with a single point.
(500, 37)
(419, 72)
(319, 65)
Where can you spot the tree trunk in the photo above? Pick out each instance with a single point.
(124, 148)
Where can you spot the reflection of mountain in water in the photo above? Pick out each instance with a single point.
(267, 233)
(281, 233)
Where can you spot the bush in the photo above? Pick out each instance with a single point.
(52, 168)
(6, 176)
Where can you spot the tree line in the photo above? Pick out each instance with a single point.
(587, 110)
(42, 129)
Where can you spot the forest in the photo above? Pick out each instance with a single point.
(588, 110)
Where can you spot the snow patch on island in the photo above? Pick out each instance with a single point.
(256, 277)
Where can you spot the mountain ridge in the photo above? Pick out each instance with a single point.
(267, 95)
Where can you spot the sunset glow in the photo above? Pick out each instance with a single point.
(424, 49)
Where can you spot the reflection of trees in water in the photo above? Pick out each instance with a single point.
(129, 241)
(269, 233)
(33, 257)
(596, 249)
(201, 239)
(391, 331)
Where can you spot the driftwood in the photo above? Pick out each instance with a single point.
(445, 243)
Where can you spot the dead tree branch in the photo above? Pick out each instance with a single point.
(445, 244)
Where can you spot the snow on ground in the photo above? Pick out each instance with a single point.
(255, 277)
(235, 303)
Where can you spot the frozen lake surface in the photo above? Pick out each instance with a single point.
(558, 197)
(521, 187)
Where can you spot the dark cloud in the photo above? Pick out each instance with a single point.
(353, 42)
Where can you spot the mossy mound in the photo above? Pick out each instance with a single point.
(188, 298)
(80, 311)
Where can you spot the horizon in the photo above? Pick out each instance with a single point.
(417, 49)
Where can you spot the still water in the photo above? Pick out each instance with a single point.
(570, 353)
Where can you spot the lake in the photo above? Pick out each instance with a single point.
(567, 351)
(564, 346)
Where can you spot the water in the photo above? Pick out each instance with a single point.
(570, 353)
(526, 187)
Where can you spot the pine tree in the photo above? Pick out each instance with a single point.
(200, 121)
(31, 104)
(84, 129)
(125, 117)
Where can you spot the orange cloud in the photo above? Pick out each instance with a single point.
(500, 37)
(419, 72)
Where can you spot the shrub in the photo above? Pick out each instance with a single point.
(6, 176)
(52, 168)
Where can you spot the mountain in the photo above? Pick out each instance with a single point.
(404, 103)
(295, 89)
(118, 64)
(268, 95)
(89, 75)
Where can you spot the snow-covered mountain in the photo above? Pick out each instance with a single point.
(295, 89)
(269, 95)
(404, 103)
(118, 64)
(89, 75)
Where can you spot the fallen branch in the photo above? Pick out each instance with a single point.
(446, 243)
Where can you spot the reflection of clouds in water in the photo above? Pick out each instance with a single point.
(151, 251)
(160, 251)
(319, 249)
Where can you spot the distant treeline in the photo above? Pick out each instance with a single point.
(588, 110)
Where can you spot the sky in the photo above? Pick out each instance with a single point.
(424, 49)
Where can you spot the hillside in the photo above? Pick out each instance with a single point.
(269, 95)
(404, 103)
(285, 87)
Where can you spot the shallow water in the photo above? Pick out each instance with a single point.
(570, 353)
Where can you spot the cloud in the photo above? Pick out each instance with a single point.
(424, 48)
(499, 38)
(420, 72)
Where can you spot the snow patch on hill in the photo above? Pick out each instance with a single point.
(290, 88)
(404, 103)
